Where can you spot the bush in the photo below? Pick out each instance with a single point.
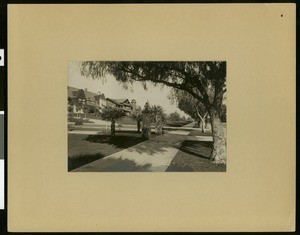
(70, 109)
(70, 128)
(176, 123)
(78, 122)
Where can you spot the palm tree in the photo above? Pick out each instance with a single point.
(113, 114)
(158, 116)
(157, 110)
(137, 116)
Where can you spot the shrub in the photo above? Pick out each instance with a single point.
(73, 119)
(78, 122)
(70, 128)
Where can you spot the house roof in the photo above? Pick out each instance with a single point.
(90, 95)
(102, 96)
(124, 102)
(90, 103)
(72, 91)
(84, 94)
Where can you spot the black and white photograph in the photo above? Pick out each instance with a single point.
(147, 116)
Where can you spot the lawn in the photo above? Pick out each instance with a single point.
(177, 123)
(194, 156)
(199, 133)
(83, 149)
(73, 119)
(92, 116)
(127, 120)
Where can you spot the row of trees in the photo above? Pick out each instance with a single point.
(204, 81)
(194, 108)
(176, 117)
(155, 110)
(114, 114)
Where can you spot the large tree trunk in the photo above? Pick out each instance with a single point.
(113, 128)
(219, 145)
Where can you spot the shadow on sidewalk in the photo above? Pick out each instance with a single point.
(149, 147)
(115, 165)
(159, 144)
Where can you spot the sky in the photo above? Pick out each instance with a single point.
(112, 89)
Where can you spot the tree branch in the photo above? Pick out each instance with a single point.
(170, 84)
(196, 81)
(182, 87)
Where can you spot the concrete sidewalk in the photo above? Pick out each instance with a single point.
(154, 155)
(191, 124)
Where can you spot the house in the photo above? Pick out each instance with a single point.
(100, 99)
(121, 103)
(72, 93)
(135, 107)
(72, 99)
(94, 102)
(89, 97)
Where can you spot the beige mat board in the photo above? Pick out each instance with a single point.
(257, 193)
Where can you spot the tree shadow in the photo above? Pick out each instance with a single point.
(117, 141)
(136, 132)
(80, 160)
(133, 143)
(150, 147)
(115, 165)
(197, 148)
(145, 149)
(158, 145)
(174, 168)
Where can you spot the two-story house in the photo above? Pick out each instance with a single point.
(94, 102)
(121, 103)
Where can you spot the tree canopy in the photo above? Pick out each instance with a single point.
(188, 104)
(157, 110)
(112, 113)
(138, 117)
(204, 80)
(174, 117)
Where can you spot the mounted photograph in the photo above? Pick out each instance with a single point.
(147, 116)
